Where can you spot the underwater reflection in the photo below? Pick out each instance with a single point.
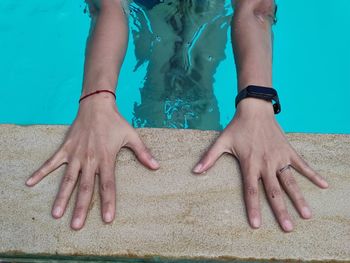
(182, 44)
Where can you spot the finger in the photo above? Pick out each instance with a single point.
(210, 157)
(85, 191)
(66, 188)
(290, 185)
(274, 195)
(49, 165)
(142, 153)
(303, 168)
(107, 191)
(251, 196)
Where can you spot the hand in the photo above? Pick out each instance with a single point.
(90, 147)
(255, 138)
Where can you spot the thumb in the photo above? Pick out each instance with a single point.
(142, 153)
(210, 157)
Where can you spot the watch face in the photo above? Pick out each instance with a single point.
(261, 92)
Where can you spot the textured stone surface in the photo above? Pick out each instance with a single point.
(171, 212)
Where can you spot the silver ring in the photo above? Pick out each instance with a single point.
(284, 168)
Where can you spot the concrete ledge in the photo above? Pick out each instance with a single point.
(170, 212)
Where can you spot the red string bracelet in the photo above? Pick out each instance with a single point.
(97, 91)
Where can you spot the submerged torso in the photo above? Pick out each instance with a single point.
(182, 43)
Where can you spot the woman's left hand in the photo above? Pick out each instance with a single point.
(255, 138)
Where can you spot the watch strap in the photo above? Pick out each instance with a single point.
(260, 92)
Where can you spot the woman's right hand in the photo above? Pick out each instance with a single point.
(90, 147)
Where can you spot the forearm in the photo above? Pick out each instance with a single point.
(106, 47)
(252, 41)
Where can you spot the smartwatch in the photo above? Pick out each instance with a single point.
(260, 92)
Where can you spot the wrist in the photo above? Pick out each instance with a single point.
(98, 95)
(101, 100)
(255, 107)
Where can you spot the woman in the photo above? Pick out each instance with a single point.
(253, 136)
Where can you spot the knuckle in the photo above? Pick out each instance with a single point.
(300, 200)
(49, 162)
(107, 186)
(106, 157)
(251, 190)
(38, 173)
(254, 212)
(290, 181)
(145, 150)
(267, 159)
(85, 187)
(250, 157)
(248, 161)
(143, 147)
(275, 192)
(79, 211)
(107, 204)
(60, 200)
(68, 179)
(207, 156)
(282, 213)
(74, 158)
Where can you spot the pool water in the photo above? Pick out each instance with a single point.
(188, 85)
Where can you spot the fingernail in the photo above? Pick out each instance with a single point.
(57, 211)
(154, 162)
(324, 183)
(76, 223)
(255, 222)
(108, 217)
(306, 212)
(287, 225)
(198, 168)
(29, 181)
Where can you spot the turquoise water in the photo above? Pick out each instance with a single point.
(42, 52)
